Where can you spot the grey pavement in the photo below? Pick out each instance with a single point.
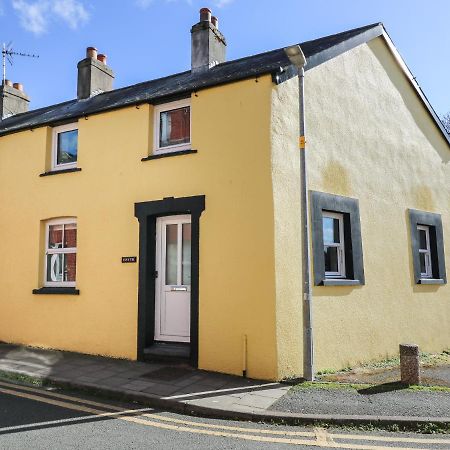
(148, 381)
(386, 400)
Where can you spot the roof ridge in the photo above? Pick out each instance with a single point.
(353, 30)
(361, 29)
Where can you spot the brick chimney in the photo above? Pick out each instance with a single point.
(12, 99)
(208, 43)
(94, 76)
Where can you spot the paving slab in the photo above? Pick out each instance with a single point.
(255, 400)
(161, 390)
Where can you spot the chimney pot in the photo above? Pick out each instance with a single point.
(8, 83)
(215, 21)
(102, 58)
(91, 52)
(94, 76)
(205, 15)
(18, 86)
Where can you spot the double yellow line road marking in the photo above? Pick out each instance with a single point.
(317, 438)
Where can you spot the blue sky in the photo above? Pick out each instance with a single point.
(146, 39)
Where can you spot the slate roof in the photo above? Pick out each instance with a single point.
(274, 62)
(316, 52)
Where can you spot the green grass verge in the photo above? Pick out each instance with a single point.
(426, 428)
(359, 386)
(22, 378)
(426, 359)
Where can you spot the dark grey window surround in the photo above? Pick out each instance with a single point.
(434, 221)
(147, 213)
(354, 263)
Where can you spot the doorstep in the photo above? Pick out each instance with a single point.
(170, 352)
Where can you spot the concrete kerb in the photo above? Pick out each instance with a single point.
(286, 418)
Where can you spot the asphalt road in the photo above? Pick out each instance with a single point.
(33, 418)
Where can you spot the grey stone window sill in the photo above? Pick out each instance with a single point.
(431, 281)
(340, 282)
(57, 172)
(56, 291)
(167, 155)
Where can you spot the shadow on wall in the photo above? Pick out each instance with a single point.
(424, 198)
(412, 102)
(335, 178)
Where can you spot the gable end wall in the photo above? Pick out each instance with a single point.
(370, 137)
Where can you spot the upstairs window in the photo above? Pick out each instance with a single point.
(334, 244)
(172, 127)
(61, 253)
(65, 147)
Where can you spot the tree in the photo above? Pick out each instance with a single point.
(445, 119)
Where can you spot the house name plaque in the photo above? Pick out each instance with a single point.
(129, 259)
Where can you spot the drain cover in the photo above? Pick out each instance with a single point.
(167, 373)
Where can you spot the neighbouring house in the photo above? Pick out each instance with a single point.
(162, 220)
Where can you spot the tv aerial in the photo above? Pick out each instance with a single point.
(7, 55)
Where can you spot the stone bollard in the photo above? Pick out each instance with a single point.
(409, 364)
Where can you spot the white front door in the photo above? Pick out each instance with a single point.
(173, 283)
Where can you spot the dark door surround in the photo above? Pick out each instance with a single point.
(147, 213)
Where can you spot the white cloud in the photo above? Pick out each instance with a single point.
(222, 3)
(35, 16)
(32, 15)
(71, 11)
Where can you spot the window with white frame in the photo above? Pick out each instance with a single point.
(336, 240)
(426, 268)
(427, 247)
(65, 147)
(60, 253)
(334, 245)
(172, 127)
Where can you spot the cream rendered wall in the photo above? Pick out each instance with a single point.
(231, 131)
(369, 137)
(287, 232)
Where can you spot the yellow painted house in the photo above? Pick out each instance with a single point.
(163, 220)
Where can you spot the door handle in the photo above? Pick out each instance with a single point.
(178, 289)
